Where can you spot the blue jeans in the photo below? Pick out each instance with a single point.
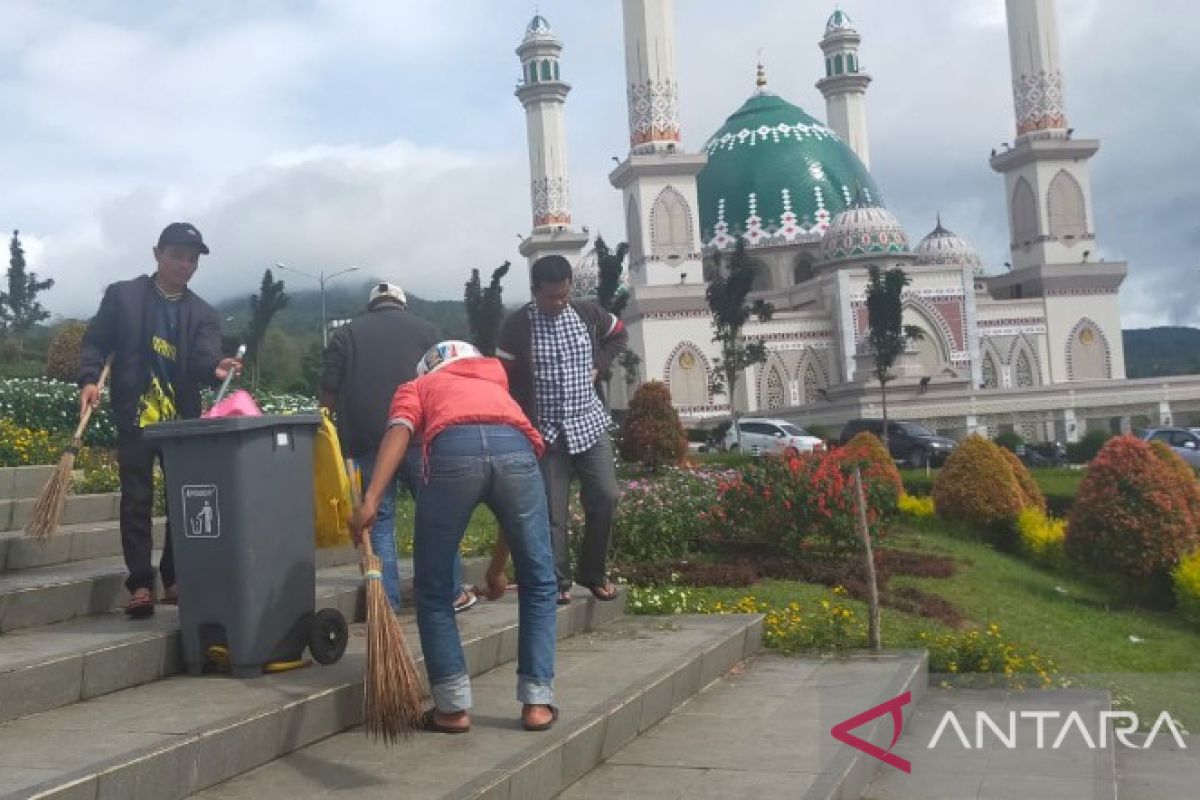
(383, 532)
(495, 465)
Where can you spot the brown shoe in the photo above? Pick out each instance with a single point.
(140, 605)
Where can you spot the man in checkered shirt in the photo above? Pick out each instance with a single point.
(557, 351)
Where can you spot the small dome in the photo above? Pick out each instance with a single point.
(538, 27)
(942, 246)
(838, 21)
(863, 230)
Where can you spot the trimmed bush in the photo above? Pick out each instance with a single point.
(62, 359)
(1009, 440)
(1086, 448)
(867, 452)
(977, 488)
(1130, 517)
(1031, 493)
(1042, 538)
(1186, 580)
(1184, 478)
(652, 434)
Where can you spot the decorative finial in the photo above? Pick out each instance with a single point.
(939, 219)
(760, 78)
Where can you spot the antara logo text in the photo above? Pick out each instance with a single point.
(1051, 730)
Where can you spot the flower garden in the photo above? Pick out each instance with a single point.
(1056, 577)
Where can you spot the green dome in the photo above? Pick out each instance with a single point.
(775, 175)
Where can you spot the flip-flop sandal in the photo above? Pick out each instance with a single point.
(606, 592)
(429, 723)
(461, 605)
(542, 726)
(140, 605)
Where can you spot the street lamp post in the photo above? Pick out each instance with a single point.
(321, 280)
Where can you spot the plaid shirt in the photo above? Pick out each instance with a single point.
(565, 398)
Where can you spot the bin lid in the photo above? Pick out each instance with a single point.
(182, 428)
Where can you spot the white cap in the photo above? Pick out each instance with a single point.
(387, 291)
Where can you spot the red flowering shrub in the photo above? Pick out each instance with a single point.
(1031, 493)
(1183, 476)
(652, 434)
(802, 505)
(977, 487)
(1131, 516)
(867, 452)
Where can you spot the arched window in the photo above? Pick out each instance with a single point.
(774, 388)
(802, 268)
(555, 70)
(839, 65)
(812, 384)
(1064, 202)
(531, 73)
(851, 64)
(828, 67)
(670, 226)
(1024, 370)
(689, 378)
(1024, 213)
(633, 229)
(546, 71)
(1087, 353)
(991, 378)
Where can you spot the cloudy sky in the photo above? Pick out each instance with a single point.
(385, 133)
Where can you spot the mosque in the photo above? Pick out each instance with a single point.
(1034, 346)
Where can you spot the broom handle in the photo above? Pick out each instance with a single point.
(356, 496)
(86, 415)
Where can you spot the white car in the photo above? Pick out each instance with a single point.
(771, 436)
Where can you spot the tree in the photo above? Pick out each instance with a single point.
(263, 307)
(485, 309)
(652, 434)
(887, 334)
(611, 266)
(726, 297)
(62, 358)
(19, 308)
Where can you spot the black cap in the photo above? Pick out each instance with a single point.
(183, 233)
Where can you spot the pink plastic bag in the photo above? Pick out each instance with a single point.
(235, 404)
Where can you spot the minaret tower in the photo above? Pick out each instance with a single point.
(1048, 194)
(658, 179)
(543, 93)
(845, 84)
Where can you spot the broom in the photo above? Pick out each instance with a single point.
(393, 694)
(47, 511)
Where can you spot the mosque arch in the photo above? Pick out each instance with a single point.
(670, 225)
(933, 348)
(688, 374)
(1024, 361)
(839, 65)
(1089, 357)
(1024, 213)
(546, 71)
(812, 376)
(989, 372)
(772, 384)
(1065, 205)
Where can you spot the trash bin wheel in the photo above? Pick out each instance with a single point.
(328, 636)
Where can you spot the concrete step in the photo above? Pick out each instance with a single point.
(81, 542)
(762, 731)
(181, 735)
(78, 509)
(17, 483)
(611, 685)
(1160, 771)
(995, 771)
(48, 595)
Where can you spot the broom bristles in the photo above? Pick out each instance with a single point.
(394, 695)
(47, 511)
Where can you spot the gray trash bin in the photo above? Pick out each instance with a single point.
(240, 502)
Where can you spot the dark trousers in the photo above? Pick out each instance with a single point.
(598, 493)
(135, 458)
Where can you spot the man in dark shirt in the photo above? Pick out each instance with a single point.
(165, 343)
(365, 363)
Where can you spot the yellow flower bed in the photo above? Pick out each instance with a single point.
(20, 447)
(1042, 537)
(919, 507)
(1186, 577)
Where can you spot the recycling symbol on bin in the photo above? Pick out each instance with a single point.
(201, 512)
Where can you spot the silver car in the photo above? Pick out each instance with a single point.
(1184, 441)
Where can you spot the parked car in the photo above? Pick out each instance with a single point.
(1045, 454)
(771, 436)
(1183, 441)
(910, 443)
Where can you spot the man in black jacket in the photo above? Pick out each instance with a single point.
(165, 343)
(557, 351)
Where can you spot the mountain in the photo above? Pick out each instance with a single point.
(1160, 352)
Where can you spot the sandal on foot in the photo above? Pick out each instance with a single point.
(140, 605)
(465, 601)
(564, 598)
(606, 591)
(542, 726)
(429, 723)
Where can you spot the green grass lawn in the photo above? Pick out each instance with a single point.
(477, 541)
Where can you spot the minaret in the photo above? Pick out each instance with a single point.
(658, 179)
(845, 84)
(1047, 182)
(543, 93)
